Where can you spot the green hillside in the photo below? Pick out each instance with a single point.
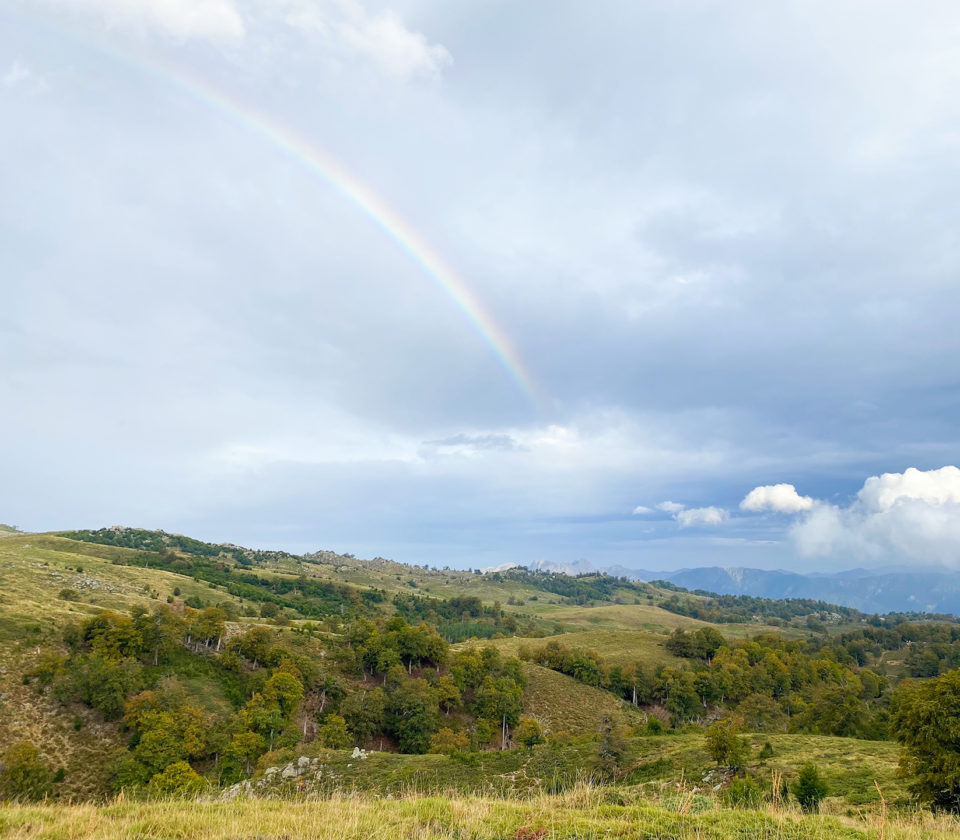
(129, 654)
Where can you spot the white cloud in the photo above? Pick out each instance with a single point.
(935, 487)
(914, 515)
(17, 74)
(670, 507)
(212, 20)
(380, 37)
(782, 498)
(701, 516)
(640, 510)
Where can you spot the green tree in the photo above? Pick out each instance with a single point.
(809, 788)
(25, 774)
(244, 748)
(412, 715)
(611, 752)
(286, 691)
(528, 732)
(333, 734)
(724, 744)
(179, 779)
(448, 742)
(926, 721)
(364, 713)
(100, 681)
(500, 699)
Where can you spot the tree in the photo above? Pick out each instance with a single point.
(927, 722)
(724, 744)
(761, 713)
(333, 734)
(286, 691)
(244, 748)
(809, 788)
(611, 752)
(500, 699)
(100, 681)
(179, 779)
(364, 713)
(412, 715)
(528, 732)
(448, 742)
(25, 774)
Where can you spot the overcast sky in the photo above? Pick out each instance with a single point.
(722, 239)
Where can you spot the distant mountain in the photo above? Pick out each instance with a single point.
(871, 591)
(578, 567)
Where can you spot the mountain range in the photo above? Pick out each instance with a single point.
(925, 589)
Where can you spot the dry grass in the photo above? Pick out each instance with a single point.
(582, 813)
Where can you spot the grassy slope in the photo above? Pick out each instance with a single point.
(34, 568)
(562, 704)
(584, 814)
(616, 646)
(656, 766)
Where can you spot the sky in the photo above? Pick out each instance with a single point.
(650, 285)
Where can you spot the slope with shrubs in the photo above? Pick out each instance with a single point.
(157, 664)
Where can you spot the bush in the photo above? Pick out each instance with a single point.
(179, 779)
(744, 793)
(334, 735)
(927, 723)
(809, 788)
(25, 774)
(448, 742)
(724, 745)
(528, 732)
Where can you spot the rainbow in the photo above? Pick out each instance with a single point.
(326, 168)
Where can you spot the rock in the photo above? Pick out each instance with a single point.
(303, 761)
(271, 770)
(288, 772)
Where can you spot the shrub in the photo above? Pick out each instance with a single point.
(724, 745)
(528, 732)
(809, 788)
(333, 734)
(448, 742)
(25, 774)
(744, 793)
(179, 779)
(927, 723)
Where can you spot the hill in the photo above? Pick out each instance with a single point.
(128, 654)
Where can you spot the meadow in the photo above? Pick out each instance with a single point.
(584, 813)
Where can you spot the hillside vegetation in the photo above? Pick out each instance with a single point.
(157, 665)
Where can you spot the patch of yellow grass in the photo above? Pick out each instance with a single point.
(581, 813)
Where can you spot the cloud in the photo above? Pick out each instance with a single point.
(212, 20)
(17, 74)
(914, 515)
(670, 507)
(782, 498)
(691, 517)
(934, 487)
(380, 37)
(640, 510)
(464, 444)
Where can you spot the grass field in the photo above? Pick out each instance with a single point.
(655, 766)
(616, 647)
(581, 814)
